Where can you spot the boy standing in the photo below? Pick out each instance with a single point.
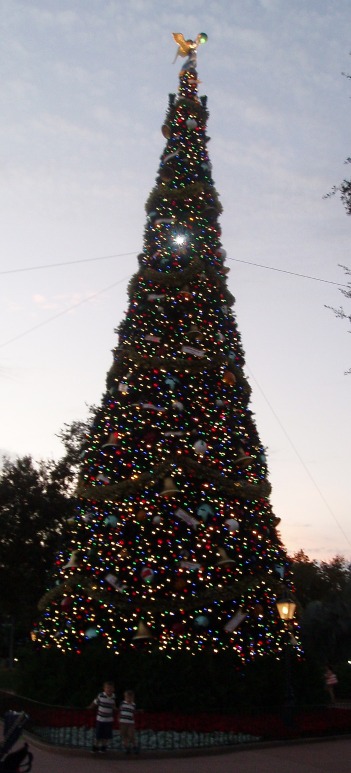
(127, 722)
(106, 707)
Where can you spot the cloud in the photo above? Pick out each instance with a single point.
(269, 5)
(62, 301)
(13, 306)
(53, 18)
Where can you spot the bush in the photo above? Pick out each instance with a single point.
(185, 682)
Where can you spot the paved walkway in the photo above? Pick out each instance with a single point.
(332, 756)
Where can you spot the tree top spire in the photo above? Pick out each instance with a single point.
(188, 48)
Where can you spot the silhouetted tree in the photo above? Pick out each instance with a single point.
(33, 508)
(340, 312)
(344, 188)
(324, 592)
(73, 437)
(308, 580)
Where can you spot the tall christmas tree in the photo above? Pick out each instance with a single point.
(174, 545)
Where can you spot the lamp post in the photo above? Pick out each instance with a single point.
(286, 609)
(9, 626)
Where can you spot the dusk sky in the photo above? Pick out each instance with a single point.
(84, 91)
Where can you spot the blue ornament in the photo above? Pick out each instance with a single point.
(204, 511)
(171, 382)
(91, 633)
(201, 621)
(110, 520)
(232, 524)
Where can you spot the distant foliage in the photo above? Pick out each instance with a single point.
(324, 594)
(340, 312)
(344, 188)
(73, 438)
(33, 508)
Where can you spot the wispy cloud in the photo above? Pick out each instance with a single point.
(46, 18)
(61, 301)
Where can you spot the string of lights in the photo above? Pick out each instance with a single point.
(114, 284)
(299, 457)
(45, 266)
(63, 312)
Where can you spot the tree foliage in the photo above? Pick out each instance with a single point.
(344, 188)
(346, 291)
(33, 507)
(35, 501)
(324, 593)
(73, 437)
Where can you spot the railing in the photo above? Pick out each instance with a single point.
(73, 727)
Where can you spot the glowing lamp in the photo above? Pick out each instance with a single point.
(286, 608)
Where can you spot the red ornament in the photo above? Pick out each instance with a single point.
(150, 438)
(66, 603)
(147, 574)
(258, 610)
(178, 628)
(180, 583)
(185, 294)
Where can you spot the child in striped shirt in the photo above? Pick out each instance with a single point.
(106, 707)
(127, 722)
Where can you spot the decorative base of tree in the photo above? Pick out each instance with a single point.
(219, 681)
(174, 546)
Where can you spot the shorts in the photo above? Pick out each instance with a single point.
(127, 731)
(103, 731)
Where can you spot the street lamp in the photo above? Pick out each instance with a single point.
(9, 626)
(286, 607)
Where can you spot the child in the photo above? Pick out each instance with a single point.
(330, 681)
(127, 722)
(106, 706)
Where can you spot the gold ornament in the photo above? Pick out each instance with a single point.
(142, 632)
(169, 488)
(229, 378)
(223, 558)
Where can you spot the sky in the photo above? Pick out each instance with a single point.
(84, 91)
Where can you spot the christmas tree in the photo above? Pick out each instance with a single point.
(174, 545)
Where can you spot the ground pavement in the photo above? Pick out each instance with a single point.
(331, 756)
